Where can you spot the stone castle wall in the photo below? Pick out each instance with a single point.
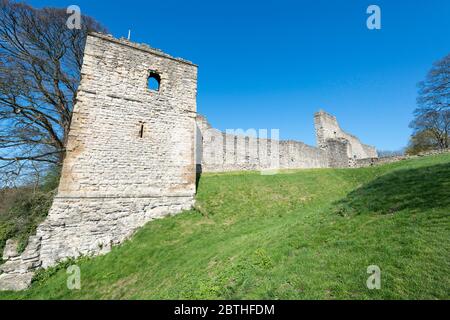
(219, 151)
(328, 128)
(130, 155)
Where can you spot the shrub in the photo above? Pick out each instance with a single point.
(24, 208)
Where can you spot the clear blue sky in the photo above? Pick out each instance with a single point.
(272, 64)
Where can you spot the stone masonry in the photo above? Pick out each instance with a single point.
(218, 151)
(134, 153)
(327, 128)
(130, 156)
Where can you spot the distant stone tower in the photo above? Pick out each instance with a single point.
(130, 154)
(342, 148)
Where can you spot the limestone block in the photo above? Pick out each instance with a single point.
(15, 282)
(19, 266)
(10, 250)
(32, 250)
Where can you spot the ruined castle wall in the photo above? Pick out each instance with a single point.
(327, 127)
(294, 154)
(105, 154)
(337, 153)
(130, 155)
(221, 152)
(371, 152)
(91, 226)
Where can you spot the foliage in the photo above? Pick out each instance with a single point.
(25, 208)
(43, 275)
(422, 141)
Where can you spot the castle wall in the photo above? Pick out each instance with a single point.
(105, 154)
(130, 155)
(327, 128)
(220, 152)
(337, 153)
(91, 226)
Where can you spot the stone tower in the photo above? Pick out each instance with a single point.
(130, 154)
(342, 148)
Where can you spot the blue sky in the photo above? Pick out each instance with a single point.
(272, 64)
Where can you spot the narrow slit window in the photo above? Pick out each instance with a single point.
(154, 81)
(141, 131)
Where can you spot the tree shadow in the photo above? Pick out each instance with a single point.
(415, 189)
(198, 175)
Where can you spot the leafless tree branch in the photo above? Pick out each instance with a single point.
(40, 63)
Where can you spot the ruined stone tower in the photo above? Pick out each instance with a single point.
(130, 155)
(342, 148)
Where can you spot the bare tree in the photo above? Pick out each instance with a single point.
(390, 153)
(422, 141)
(40, 62)
(433, 112)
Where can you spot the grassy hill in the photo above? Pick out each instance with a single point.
(306, 234)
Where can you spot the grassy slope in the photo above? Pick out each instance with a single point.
(299, 235)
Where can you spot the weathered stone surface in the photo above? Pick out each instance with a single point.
(31, 252)
(12, 266)
(19, 266)
(327, 128)
(218, 151)
(116, 220)
(15, 282)
(10, 250)
(130, 155)
(336, 150)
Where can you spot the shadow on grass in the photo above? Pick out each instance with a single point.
(414, 189)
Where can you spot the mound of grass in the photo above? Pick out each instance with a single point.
(307, 234)
(415, 190)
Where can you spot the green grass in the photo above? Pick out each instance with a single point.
(307, 234)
